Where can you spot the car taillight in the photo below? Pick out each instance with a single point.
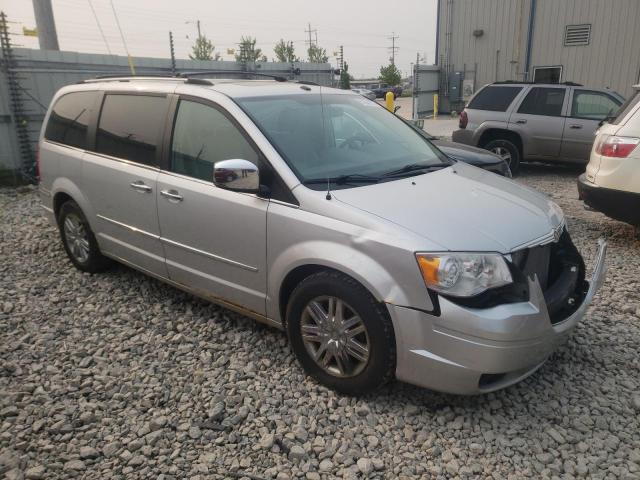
(614, 146)
(464, 120)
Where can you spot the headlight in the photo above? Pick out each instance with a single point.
(463, 274)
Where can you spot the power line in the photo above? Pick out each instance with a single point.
(393, 47)
(99, 27)
(124, 42)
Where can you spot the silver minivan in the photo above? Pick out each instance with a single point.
(318, 212)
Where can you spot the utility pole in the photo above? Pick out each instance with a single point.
(199, 34)
(310, 32)
(173, 54)
(46, 25)
(341, 58)
(393, 47)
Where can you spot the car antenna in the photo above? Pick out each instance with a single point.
(324, 136)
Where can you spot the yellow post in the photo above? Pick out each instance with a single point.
(435, 105)
(133, 70)
(388, 98)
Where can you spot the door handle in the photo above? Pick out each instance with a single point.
(575, 127)
(521, 121)
(141, 187)
(172, 195)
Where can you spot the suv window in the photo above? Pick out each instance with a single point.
(592, 105)
(627, 107)
(130, 127)
(202, 136)
(543, 101)
(69, 119)
(495, 99)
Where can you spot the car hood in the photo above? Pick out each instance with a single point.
(466, 153)
(461, 208)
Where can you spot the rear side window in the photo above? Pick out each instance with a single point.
(495, 99)
(69, 119)
(130, 127)
(202, 136)
(626, 108)
(593, 105)
(543, 101)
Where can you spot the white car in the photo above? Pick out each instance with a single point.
(611, 183)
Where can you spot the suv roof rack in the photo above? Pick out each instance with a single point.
(510, 82)
(151, 77)
(186, 77)
(277, 78)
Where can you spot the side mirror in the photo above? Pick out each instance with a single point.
(396, 108)
(237, 175)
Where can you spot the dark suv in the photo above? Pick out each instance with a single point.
(546, 122)
(381, 89)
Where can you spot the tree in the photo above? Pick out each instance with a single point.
(285, 52)
(203, 50)
(345, 78)
(390, 74)
(317, 54)
(248, 51)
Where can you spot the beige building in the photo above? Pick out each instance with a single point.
(591, 42)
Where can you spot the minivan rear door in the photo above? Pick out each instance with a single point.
(120, 174)
(587, 108)
(539, 120)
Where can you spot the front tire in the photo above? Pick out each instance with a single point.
(341, 335)
(79, 241)
(506, 150)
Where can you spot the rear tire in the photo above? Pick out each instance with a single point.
(353, 305)
(79, 241)
(508, 151)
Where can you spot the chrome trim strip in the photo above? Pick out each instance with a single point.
(178, 244)
(122, 160)
(285, 204)
(128, 227)
(208, 255)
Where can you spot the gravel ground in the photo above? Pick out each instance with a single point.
(119, 376)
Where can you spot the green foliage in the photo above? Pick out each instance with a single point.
(317, 54)
(390, 75)
(203, 50)
(285, 52)
(345, 78)
(248, 52)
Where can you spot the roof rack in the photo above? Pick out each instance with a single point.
(277, 78)
(510, 82)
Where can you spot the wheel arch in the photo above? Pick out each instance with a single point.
(64, 190)
(284, 275)
(500, 134)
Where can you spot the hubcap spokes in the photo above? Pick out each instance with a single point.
(503, 153)
(76, 237)
(335, 336)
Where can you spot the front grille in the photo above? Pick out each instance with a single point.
(560, 271)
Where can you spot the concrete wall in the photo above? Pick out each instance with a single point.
(43, 72)
(611, 60)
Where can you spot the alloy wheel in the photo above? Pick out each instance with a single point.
(503, 153)
(335, 336)
(76, 237)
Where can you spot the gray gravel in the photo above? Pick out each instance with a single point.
(119, 376)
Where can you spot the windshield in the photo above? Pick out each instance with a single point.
(358, 138)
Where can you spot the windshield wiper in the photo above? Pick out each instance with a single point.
(342, 179)
(413, 167)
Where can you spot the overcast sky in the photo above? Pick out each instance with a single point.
(363, 27)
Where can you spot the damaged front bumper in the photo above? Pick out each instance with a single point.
(475, 350)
